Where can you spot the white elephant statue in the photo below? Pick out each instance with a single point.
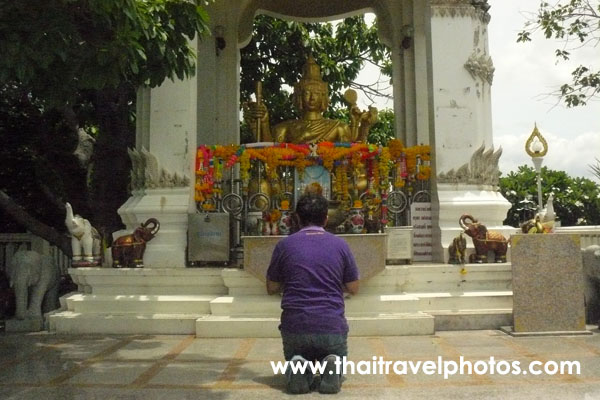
(85, 239)
(35, 280)
(591, 269)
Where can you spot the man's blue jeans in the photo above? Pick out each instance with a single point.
(311, 347)
(314, 346)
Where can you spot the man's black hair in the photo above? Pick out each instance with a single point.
(312, 209)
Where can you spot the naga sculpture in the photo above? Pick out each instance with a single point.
(484, 240)
(128, 250)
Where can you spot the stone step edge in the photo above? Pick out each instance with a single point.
(124, 315)
(147, 298)
(168, 272)
(77, 296)
(386, 296)
(205, 317)
(483, 311)
(459, 294)
(251, 318)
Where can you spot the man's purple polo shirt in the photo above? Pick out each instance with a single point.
(312, 265)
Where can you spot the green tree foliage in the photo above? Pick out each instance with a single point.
(60, 47)
(576, 23)
(576, 200)
(74, 56)
(278, 50)
(383, 130)
(34, 170)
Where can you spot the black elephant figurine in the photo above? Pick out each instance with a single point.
(457, 250)
(484, 240)
(128, 250)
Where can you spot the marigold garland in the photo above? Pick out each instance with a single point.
(335, 157)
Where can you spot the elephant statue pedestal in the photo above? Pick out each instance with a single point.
(24, 325)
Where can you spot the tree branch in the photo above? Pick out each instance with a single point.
(34, 226)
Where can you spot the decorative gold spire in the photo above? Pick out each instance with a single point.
(536, 145)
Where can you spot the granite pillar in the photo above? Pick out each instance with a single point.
(548, 284)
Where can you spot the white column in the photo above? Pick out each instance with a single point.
(173, 119)
(462, 74)
(218, 79)
(166, 128)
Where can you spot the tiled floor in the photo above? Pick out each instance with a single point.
(47, 366)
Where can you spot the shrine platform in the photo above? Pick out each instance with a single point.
(416, 299)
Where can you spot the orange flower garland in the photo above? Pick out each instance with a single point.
(335, 157)
(384, 167)
(395, 148)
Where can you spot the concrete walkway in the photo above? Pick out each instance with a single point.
(48, 366)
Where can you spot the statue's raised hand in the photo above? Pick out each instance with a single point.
(255, 111)
(256, 116)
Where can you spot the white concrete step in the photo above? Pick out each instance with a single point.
(473, 300)
(376, 325)
(158, 290)
(472, 319)
(257, 305)
(126, 323)
(401, 300)
(161, 304)
(149, 281)
(364, 304)
(399, 324)
(427, 278)
(402, 278)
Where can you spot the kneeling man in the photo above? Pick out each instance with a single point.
(313, 268)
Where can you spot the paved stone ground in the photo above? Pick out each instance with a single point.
(48, 366)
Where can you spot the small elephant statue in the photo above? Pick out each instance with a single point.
(457, 250)
(34, 278)
(85, 239)
(128, 250)
(484, 240)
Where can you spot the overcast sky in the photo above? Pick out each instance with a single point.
(525, 73)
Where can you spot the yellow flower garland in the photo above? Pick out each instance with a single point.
(212, 160)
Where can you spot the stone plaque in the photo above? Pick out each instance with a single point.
(420, 216)
(399, 242)
(547, 283)
(369, 251)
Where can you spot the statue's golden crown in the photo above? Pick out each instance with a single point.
(311, 72)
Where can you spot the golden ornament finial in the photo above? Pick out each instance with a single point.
(536, 145)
